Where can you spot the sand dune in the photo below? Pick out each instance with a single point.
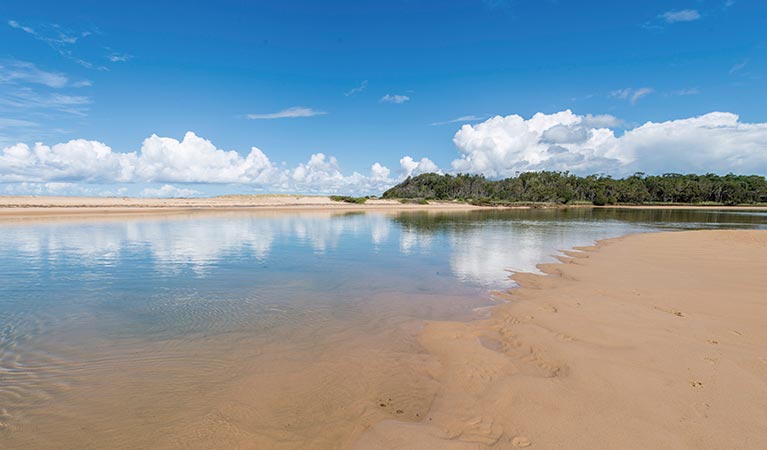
(653, 341)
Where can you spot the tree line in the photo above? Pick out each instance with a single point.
(565, 188)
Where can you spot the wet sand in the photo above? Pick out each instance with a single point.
(647, 341)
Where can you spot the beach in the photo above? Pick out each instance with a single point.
(646, 341)
(186, 330)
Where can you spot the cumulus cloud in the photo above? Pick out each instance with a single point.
(716, 142)
(191, 160)
(396, 99)
(289, 113)
(197, 160)
(379, 172)
(684, 15)
(168, 190)
(411, 167)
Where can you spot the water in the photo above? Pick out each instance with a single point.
(267, 328)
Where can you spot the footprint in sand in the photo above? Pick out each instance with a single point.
(549, 308)
(712, 341)
(669, 310)
(696, 384)
(521, 442)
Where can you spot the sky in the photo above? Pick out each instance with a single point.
(207, 98)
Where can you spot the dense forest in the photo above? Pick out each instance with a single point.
(565, 188)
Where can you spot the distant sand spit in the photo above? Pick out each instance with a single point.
(13, 207)
(651, 341)
(48, 207)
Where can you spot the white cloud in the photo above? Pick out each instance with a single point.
(26, 72)
(600, 121)
(13, 123)
(190, 160)
(715, 142)
(631, 94)
(358, 89)
(119, 57)
(687, 91)
(411, 167)
(498, 147)
(469, 118)
(396, 99)
(379, 172)
(76, 160)
(27, 100)
(738, 67)
(168, 190)
(197, 160)
(684, 15)
(289, 113)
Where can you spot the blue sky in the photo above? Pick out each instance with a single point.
(377, 81)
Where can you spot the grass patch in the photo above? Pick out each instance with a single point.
(348, 199)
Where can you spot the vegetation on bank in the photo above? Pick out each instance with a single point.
(566, 188)
(348, 199)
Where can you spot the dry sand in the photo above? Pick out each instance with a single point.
(652, 341)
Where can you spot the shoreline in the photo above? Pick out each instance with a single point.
(24, 207)
(644, 341)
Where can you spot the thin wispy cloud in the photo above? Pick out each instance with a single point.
(469, 118)
(289, 113)
(684, 15)
(28, 101)
(56, 36)
(14, 123)
(738, 67)
(62, 40)
(15, 71)
(358, 89)
(395, 98)
(119, 57)
(728, 3)
(631, 94)
(685, 92)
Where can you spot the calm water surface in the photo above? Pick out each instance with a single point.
(152, 332)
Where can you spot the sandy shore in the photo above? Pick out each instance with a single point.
(652, 341)
(34, 206)
(18, 207)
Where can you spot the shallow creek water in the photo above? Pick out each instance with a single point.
(256, 329)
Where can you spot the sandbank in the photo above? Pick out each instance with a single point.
(650, 341)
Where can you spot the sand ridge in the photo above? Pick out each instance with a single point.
(648, 341)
